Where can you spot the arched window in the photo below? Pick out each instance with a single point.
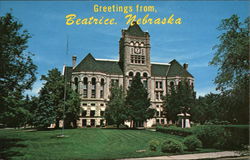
(76, 84)
(138, 74)
(93, 89)
(145, 75)
(102, 88)
(85, 87)
(171, 84)
(131, 74)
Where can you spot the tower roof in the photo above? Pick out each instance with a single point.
(135, 30)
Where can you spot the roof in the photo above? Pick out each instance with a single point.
(159, 70)
(135, 30)
(90, 64)
(176, 69)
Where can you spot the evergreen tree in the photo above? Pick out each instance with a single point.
(138, 103)
(17, 71)
(51, 105)
(180, 99)
(72, 108)
(116, 112)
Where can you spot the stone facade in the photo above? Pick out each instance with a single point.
(92, 78)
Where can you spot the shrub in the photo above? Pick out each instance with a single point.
(175, 131)
(212, 136)
(192, 142)
(172, 146)
(153, 145)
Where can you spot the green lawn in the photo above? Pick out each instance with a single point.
(89, 143)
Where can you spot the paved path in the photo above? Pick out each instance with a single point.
(192, 156)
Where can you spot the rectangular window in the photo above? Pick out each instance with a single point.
(160, 84)
(157, 96)
(85, 93)
(84, 113)
(101, 94)
(93, 93)
(102, 113)
(92, 113)
(162, 121)
(161, 95)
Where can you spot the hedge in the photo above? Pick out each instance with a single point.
(175, 131)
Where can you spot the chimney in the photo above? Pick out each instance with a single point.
(73, 61)
(185, 66)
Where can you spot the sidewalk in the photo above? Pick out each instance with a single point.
(192, 156)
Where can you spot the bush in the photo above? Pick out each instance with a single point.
(192, 142)
(172, 146)
(153, 145)
(175, 131)
(212, 136)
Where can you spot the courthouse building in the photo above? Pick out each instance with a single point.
(92, 78)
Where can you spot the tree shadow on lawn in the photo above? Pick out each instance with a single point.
(6, 144)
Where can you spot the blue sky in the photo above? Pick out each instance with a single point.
(191, 42)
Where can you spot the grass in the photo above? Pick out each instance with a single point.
(88, 143)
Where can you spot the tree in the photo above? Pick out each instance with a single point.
(54, 86)
(181, 98)
(51, 106)
(207, 108)
(116, 111)
(72, 108)
(232, 59)
(17, 70)
(137, 103)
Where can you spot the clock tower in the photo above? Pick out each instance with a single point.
(134, 51)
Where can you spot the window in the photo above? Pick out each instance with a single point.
(145, 84)
(145, 75)
(92, 104)
(157, 114)
(93, 89)
(171, 84)
(76, 84)
(84, 104)
(161, 95)
(84, 113)
(129, 83)
(101, 104)
(131, 74)
(85, 87)
(92, 113)
(157, 121)
(102, 113)
(138, 74)
(137, 59)
(162, 121)
(158, 84)
(157, 96)
(102, 89)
